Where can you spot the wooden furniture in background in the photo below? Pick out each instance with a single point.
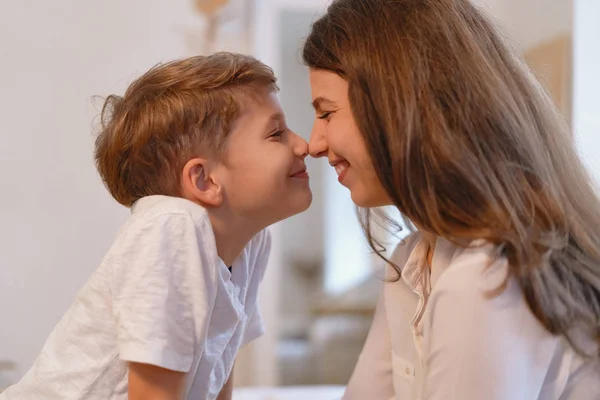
(551, 61)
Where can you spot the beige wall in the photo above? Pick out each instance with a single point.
(586, 84)
(57, 220)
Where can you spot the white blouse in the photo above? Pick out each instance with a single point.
(440, 336)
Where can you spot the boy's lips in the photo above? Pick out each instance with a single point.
(300, 173)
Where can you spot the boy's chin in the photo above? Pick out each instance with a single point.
(305, 204)
(299, 204)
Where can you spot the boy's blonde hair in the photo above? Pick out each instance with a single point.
(174, 112)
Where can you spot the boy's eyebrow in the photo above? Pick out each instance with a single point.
(276, 116)
(321, 101)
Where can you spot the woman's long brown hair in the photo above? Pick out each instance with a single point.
(468, 145)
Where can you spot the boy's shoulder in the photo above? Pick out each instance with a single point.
(159, 218)
(150, 207)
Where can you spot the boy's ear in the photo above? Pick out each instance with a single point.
(199, 185)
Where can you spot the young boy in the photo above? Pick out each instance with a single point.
(200, 151)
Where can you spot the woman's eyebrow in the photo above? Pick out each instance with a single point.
(321, 102)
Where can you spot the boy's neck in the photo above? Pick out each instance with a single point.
(231, 234)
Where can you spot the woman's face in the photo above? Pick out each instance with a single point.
(335, 135)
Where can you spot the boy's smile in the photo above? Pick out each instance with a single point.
(262, 170)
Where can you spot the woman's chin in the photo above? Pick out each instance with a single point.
(365, 199)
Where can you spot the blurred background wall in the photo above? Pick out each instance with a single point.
(57, 220)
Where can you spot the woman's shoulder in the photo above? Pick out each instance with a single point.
(480, 265)
(404, 248)
(477, 278)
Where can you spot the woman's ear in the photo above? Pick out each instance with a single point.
(199, 183)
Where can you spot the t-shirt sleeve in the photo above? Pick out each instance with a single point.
(163, 291)
(254, 326)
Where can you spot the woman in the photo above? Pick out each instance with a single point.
(422, 105)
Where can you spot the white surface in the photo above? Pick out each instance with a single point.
(290, 393)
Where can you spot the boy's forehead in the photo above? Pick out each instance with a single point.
(257, 117)
(263, 120)
(265, 107)
(262, 98)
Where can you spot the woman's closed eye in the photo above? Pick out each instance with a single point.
(325, 115)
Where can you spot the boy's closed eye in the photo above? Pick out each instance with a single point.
(277, 135)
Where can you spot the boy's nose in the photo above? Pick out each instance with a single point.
(300, 147)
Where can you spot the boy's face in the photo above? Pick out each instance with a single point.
(262, 172)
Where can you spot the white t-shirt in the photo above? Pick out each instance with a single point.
(440, 336)
(161, 296)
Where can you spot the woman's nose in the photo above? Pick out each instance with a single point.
(317, 146)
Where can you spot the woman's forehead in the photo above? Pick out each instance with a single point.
(327, 87)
